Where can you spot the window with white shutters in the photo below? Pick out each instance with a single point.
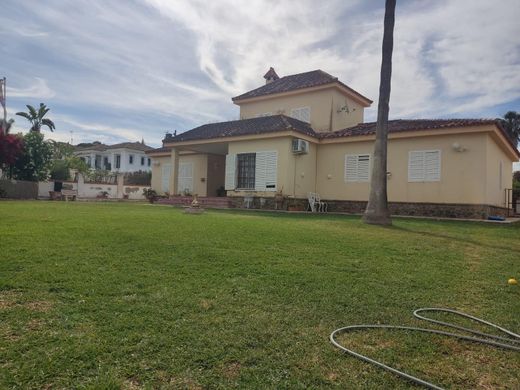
(357, 167)
(424, 165)
(266, 170)
(302, 113)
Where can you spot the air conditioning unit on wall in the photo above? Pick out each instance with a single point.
(300, 146)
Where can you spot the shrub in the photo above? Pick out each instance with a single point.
(150, 194)
(139, 178)
(60, 170)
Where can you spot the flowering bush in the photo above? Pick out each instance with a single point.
(11, 147)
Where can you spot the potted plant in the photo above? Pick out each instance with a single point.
(102, 195)
(150, 194)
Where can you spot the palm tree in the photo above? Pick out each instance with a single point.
(377, 208)
(511, 124)
(37, 117)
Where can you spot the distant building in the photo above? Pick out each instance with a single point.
(123, 157)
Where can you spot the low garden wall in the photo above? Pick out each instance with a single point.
(94, 190)
(18, 189)
(444, 210)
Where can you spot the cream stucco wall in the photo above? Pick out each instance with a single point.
(497, 163)
(200, 165)
(461, 172)
(324, 106)
(295, 173)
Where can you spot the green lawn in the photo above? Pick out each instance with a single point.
(104, 295)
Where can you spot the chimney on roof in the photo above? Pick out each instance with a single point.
(142, 141)
(270, 76)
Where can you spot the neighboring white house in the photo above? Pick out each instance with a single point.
(123, 157)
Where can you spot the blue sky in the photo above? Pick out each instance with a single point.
(124, 70)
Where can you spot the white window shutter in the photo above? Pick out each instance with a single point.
(432, 165)
(357, 167)
(416, 166)
(260, 171)
(303, 114)
(230, 172)
(266, 170)
(424, 165)
(271, 170)
(363, 173)
(351, 167)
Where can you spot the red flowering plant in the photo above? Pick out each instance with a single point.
(11, 147)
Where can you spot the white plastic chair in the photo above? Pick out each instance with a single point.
(321, 206)
(311, 197)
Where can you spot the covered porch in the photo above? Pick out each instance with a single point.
(193, 169)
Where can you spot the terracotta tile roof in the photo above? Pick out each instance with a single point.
(293, 82)
(261, 125)
(159, 150)
(403, 125)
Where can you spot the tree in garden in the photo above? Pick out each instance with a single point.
(34, 162)
(377, 208)
(511, 124)
(11, 148)
(36, 117)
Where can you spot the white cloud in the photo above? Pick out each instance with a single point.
(37, 90)
(142, 68)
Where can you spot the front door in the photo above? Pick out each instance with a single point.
(185, 185)
(166, 173)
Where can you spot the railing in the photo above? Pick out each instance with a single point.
(511, 199)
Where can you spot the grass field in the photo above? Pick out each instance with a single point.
(104, 295)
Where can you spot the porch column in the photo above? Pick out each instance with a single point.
(174, 176)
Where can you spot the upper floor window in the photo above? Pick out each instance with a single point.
(302, 113)
(424, 165)
(118, 161)
(149, 162)
(357, 167)
(142, 161)
(131, 159)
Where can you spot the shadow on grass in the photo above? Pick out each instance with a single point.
(454, 238)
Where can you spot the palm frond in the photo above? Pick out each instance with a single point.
(42, 110)
(24, 114)
(32, 111)
(49, 124)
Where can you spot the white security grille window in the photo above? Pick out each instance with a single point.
(424, 165)
(246, 171)
(357, 167)
(263, 114)
(302, 113)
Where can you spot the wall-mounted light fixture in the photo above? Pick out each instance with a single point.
(458, 147)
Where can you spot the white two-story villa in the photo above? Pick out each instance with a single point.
(123, 157)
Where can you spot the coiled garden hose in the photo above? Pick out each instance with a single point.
(512, 342)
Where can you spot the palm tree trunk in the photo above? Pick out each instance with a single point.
(377, 208)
